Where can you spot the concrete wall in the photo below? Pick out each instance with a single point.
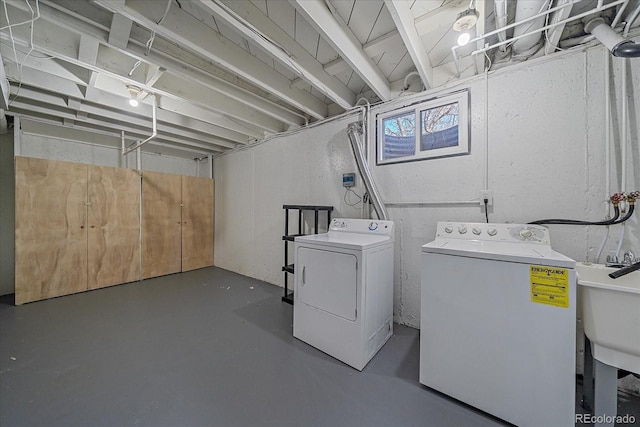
(7, 214)
(71, 145)
(546, 159)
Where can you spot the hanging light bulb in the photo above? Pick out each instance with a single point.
(133, 95)
(463, 39)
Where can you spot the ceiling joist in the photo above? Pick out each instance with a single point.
(194, 35)
(345, 43)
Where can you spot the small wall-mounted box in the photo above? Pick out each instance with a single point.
(348, 179)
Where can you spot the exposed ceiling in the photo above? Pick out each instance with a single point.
(224, 73)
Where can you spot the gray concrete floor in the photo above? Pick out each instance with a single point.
(204, 348)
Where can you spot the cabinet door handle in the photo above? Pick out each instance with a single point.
(303, 275)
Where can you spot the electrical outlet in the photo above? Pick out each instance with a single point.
(486, 194)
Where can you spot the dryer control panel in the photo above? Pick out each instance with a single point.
(364, 226)
(515, 233)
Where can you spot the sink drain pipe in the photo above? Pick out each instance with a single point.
(618, 45)
(353, 131)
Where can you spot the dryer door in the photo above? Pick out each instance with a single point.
(327, 280)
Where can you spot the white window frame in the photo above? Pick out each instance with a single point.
(462, 98)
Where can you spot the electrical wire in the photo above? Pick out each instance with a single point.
(35, 15)
(149, 42)
(486, 210)
(348, 190)
(29, 21)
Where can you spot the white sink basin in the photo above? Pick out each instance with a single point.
(610, 311)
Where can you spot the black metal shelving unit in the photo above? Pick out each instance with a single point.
(290, 268)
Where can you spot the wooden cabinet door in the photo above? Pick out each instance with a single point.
(114, 226)
(51, 234)
(161, 224)
(197, 223)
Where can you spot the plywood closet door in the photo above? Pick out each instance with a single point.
(161, 222)
(114, 226)
(51, 235)
(197, 223)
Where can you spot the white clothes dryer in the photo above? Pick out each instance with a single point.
(343, 289)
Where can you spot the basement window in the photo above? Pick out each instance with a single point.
(431, 129)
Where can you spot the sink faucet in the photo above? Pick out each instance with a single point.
(629, 258)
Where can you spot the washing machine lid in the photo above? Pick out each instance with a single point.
(523, 243)
(344, 240)
(511, 252)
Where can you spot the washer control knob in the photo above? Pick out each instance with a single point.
(476, 230)
(462, 229)
(492, 232)
(526, 233)
(373, 226)
(448, 229)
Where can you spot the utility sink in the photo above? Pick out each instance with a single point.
(610, 311)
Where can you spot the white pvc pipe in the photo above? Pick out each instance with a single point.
(619, 14)
(623, 130)
(501, 19)
(527, 46)
(153, 134)
(607, 127)
(433, 203)
(546, 27)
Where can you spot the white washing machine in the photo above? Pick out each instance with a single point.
(498, 322)
(343, 289)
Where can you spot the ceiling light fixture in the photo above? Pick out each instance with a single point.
(466, 19)
(133, 95)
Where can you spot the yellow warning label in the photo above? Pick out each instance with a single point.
(549, 285)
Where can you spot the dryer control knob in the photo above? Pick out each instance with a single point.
(476, 230)
(526, 234)
(492, 232)
(448, 229)
(462, 229)
(373, 226)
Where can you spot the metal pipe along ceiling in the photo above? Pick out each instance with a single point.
(354, 130)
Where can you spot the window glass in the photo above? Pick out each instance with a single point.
(435, 128)
(399, 136)
(439, 127)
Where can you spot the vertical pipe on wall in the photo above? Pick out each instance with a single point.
(607, 125)
(607, 143)
(353, 131)
(210, 166)
(486, 130)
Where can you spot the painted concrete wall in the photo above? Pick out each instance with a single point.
(252, 185)
(546, 159)
(66, 144)
(70, 147)
(7, 214)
